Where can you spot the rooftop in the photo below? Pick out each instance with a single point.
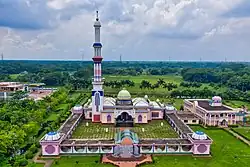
(205, 104)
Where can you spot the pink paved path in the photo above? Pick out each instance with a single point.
(148, 159)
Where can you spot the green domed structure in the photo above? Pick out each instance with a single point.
(124, 95)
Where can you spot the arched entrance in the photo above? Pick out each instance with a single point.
(126, 144)
(124, 120)
(223, 122)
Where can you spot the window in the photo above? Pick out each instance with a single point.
(139, 118)
(186, 121)
(90, 114)
(109, 118)
(221, 115)
(155, 114)
(97, 101)
(194, 121)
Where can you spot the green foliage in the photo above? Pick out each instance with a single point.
(22, 122)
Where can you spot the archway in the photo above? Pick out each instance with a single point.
(124, 120)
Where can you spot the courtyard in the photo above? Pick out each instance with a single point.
(153, 129)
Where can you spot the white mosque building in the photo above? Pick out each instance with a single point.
(122, 111)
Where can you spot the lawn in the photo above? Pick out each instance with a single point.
(243, 131)
(83, 161)
(237, 104)
(137, 80)
(151, 130)
(94, 131)
(227, 151)
(39, 165)
(155, 130)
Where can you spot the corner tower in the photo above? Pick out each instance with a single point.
(97, 91)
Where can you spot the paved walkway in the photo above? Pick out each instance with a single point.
(47, 163)
(238, 136)
(148, 159)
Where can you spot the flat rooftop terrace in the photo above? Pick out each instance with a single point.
(152, 130)
(205, 104)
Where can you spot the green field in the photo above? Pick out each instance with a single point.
(236, 103)
(137, 80)
(227, 151)
(39, 165)
(243, 131)
(84, 161)
(151, 130)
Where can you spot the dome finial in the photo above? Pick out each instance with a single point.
(97, 17)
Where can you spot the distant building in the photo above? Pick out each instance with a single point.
(7, 88)
(212, 112)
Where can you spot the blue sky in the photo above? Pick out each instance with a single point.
(189, 30)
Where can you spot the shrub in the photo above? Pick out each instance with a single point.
(29, 155)
(23, 162)
(33, 148)
(233, 126)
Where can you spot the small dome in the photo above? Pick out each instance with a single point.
(146, 97)
(157, 100)
(198, 135)
(124, 95)
(170, 107)
(77, 107)
(52, 136)
(89, 100)
(217, 99)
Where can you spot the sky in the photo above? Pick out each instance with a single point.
(159, 30)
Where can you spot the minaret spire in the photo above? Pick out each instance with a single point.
(97, 91)
(97, 18)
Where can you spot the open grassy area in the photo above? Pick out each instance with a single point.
(237, 104)
(39, 165)
(83, 161)
(243, 131)
(227, 151)
(151, 130)
(155, 130)
(137, 80)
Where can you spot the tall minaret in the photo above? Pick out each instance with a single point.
(97, 91)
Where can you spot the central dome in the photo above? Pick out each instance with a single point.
(124, 95)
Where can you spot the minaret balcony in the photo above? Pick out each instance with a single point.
(97, 58)
(97, 45)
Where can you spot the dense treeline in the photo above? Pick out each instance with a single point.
(23, 122)
(234, 76)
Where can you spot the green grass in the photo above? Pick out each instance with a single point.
(237, 104)
(137, 80)
(83, 161)
(155, 130)
(39, 165)
(151, 130)
(243, 131)
(151, 78)
(227, 151)
(52, 117)
(14, 76)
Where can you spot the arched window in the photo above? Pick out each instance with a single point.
(109, 118)
(139, 118)
(97, 101)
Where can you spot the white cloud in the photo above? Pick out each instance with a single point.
(140, 29)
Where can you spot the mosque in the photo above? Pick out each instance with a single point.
(122, 111)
